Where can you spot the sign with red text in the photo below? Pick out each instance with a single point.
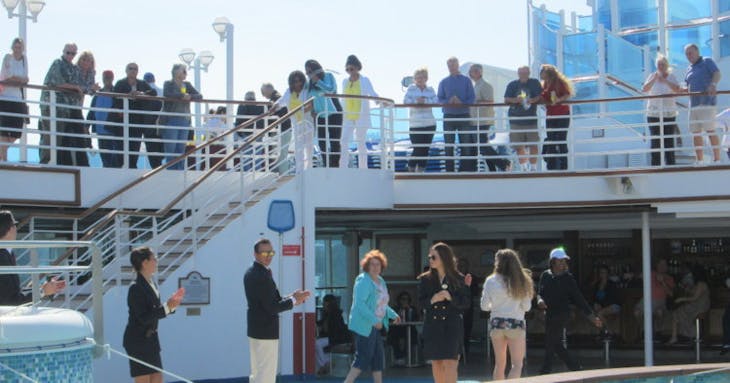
(291, 250)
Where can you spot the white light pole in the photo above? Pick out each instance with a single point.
(196, 63)
(223, 27)
(27, 10)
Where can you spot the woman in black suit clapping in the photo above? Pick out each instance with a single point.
(145, 310)
(444, 293)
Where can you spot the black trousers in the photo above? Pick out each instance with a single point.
(331, 124)
(75, 157)
(467, 142)
(555, 145)
(421, 139)
(670, 129)
(554, 345)
(151, 142)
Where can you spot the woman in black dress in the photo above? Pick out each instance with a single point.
(145, 310)
(443, 293)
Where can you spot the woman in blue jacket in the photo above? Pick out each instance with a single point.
(327, 112)
(369, 313)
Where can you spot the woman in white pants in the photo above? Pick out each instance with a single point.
(356, 113)
(301, 121)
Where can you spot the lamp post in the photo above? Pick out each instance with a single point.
(34, 7)
(196, 63)
(223, 27)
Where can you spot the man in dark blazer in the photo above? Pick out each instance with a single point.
(10, 294)
(264, 305)
(133, 86)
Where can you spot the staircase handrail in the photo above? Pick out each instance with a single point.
(166, 209)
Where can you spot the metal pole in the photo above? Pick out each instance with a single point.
(34, 262)
(229, 90)
(229, 63)
(22, 22)
(602, 91)
(196, 69)
(97, 294)
(646, 273)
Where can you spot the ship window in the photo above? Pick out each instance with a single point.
(637, 13)
(724, 37)
(680, 11)
(724, 6)
(624, 60)
(331, 275)
(579, 54)
(603, 10)
(678, 38)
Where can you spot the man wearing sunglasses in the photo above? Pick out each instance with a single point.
(264, 305)
(65, 77)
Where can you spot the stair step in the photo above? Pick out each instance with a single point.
(204, 229)
(173, 241)
(175, 258)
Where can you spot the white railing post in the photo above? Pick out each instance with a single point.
(125, 133)
(229, 140)
(118, 246)
(602, 91)
(383, 139)
(97, 293)
(52, 129)
(35, 281)
(560, 54)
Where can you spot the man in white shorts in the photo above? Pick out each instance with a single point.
(702, 76)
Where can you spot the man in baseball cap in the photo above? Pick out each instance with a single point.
(558, 253)
(557, 289)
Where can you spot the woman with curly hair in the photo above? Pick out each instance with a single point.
(508, 295)
(556, 90)
(369, 314)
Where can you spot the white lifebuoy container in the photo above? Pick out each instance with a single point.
(22, 328)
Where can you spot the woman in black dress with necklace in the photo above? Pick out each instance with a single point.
(442, 291)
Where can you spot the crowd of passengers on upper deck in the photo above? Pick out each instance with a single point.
(330, 124)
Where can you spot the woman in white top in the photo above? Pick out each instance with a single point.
(14, 73)
(507, 294)
(356, 117)
(661, 113)
(422, 124)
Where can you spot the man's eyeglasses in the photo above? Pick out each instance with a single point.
(268, 253)
(70, 53)
(132, 68)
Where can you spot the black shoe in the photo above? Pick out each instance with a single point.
(544, 371)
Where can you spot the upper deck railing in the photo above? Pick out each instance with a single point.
(602, 134)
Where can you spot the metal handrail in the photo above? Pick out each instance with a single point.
(109, 217)
(96, 268)
(108, 350)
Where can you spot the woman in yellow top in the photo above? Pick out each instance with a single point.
(301, 122)
(356, 113)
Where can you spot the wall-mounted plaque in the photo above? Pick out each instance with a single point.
(197, 289)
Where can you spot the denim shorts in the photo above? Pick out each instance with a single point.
(369, 351)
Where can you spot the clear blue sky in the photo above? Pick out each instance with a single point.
(272, 38)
